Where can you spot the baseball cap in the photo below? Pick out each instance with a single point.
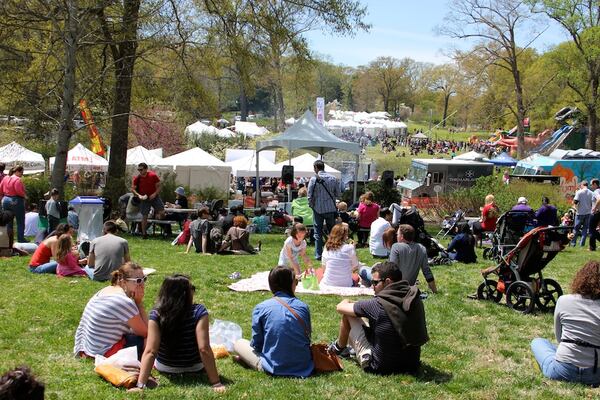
(180, 191)
(522, 200)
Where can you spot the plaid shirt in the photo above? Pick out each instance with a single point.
(319, 200)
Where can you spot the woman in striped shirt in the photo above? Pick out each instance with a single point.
(178, 339)
(112, 314)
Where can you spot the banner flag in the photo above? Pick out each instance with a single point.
(86, 114)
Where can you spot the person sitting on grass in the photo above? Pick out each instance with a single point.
(69, 263)
(237, 239)
(462, 246)
(339, 258)
(41, 262)
(199, 230)
(300, 207)
(577, 330)
(377, 247)
(280, 344)
(293, 248)
(114, 318)
(19, 383)
(261, 221)
(178, 339)
(107, 252)
(397, 329)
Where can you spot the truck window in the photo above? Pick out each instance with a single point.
(417, 173)
(438, 177)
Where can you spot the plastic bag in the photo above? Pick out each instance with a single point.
(224, 333)
(125, 358)
(309, 280)
(121, 369)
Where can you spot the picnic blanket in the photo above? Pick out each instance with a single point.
(260, 282)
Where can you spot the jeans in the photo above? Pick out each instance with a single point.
(17, 206)
(89, 271)
(48, 268)
(544, 353)
(593, 232)
(319, 220)
(582, 224)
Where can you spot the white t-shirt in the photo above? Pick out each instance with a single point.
(584, 196)
(376, 246)
(296, 250)
(338, 266)
(31, 223)
(595, 197)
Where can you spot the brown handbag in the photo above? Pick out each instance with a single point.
(323, 359)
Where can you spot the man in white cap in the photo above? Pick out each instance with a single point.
(522, 205)
(180, 202)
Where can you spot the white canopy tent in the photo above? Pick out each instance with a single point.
(246, 166)
(472, 156)
(303, 166)
(14, 154)
(234, 154)
(198, 169)
(198, 129)
(140, 154)
(249, 129)
(419, 136)
(81, 159)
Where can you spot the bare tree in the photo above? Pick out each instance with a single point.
(495, 25)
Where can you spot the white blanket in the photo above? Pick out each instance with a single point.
(260, 282)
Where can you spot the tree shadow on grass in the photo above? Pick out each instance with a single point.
(427, 373)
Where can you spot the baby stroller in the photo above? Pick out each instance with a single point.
(519, 272)
(510, 228)
(449, 224)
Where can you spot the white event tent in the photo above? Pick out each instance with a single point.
(246, 166)
(249, 129)
(303, 166)
(198, 169)
(81, 159)
(14, 154)
(472, 156)
(140, 154)
(198, 129)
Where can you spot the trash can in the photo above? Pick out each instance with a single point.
(90, 210)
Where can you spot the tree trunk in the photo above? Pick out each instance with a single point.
(68, 98)
(446, 102)
(124, 66)
(386, 103)
(593, 115)
(520, 114)
(243, 102)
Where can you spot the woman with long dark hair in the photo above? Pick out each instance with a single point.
(178, 340)
(577, 330)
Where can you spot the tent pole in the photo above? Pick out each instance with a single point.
(356, 178)
(258, 193)
(289, 187)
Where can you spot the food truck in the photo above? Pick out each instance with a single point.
(435, 177)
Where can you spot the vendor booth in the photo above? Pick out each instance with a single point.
(81, 159)
(14, 154)
(198, 169)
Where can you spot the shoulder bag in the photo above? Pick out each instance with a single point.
(323, 359)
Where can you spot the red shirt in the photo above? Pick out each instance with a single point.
(41, 255)
(367, 214)
(488, 222)
(146, 185)
(12, 186)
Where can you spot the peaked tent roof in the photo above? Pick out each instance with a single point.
(472, 156)
(81, 158)
(303, 166)
(193, 157)
(308, 133)
(504, 159)
(419, 136)
(246, 166)
(140, 154)
(14, 154)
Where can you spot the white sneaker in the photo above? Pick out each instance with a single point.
(365, 361)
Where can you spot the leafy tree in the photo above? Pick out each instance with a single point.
(581, 19)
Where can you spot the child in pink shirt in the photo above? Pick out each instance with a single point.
(368, 211)
(68, 261)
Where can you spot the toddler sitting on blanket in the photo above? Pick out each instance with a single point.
(294, 247)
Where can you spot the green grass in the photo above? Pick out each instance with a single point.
(478, 350)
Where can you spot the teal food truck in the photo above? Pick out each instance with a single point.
(568, 167)
(434, 177)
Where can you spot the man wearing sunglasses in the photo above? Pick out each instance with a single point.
(396, 330)
(146, 186)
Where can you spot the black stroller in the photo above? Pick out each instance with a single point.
(510, 228)
(519, 272)
(449, 225)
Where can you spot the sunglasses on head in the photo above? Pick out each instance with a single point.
(139, 281)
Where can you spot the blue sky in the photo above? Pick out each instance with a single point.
(402, 28)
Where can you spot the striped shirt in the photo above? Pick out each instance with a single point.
(184, 351)
(103, 323)
(320, 201)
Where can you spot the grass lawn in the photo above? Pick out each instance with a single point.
(478, 350)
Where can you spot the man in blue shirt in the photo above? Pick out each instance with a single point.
(323, 190)
(280, 342)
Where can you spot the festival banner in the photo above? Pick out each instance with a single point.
(321, 110)
(97, 145)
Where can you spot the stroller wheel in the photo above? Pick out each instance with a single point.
(548, 295)
(489, 291)
(520, 297)
(487, 253)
